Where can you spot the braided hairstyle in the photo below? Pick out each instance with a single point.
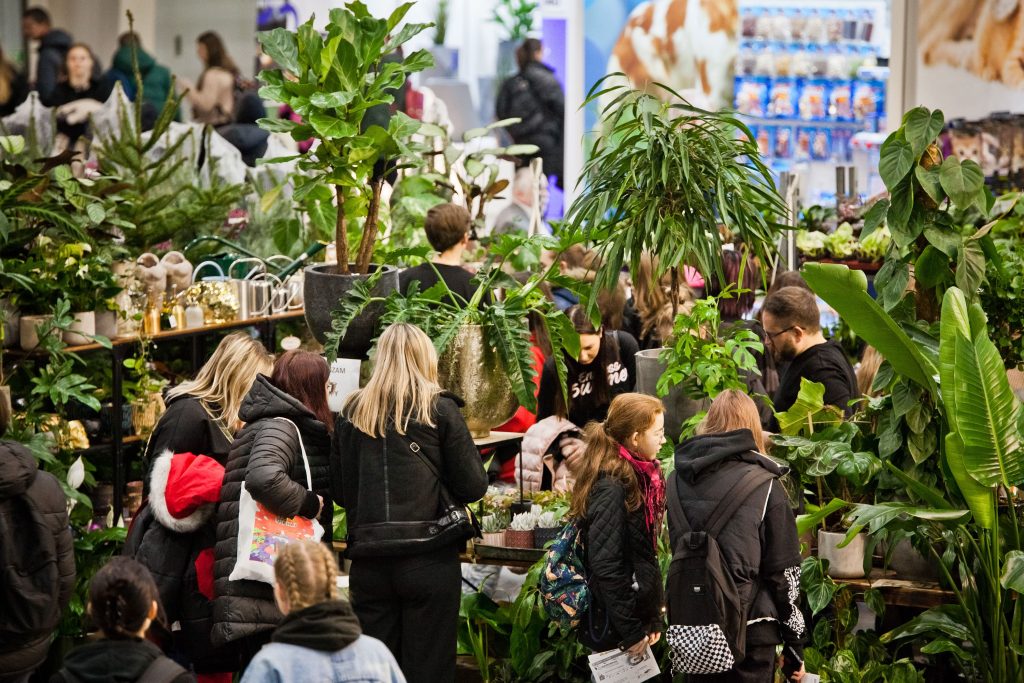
(120, 597)
(307, 573)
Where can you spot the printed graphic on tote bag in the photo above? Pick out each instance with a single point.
(271, 532)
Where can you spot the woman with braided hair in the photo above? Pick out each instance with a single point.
(319, 638)
(123, 602)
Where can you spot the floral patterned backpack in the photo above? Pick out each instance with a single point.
(563, 583)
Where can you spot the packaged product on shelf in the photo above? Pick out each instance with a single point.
(752, 95)
(833, 26)
(1017, 156)
(849, 19)
(762, 23)
(802, 151)
(840, 101)
(868, 101)
(748, 22)
(865, 25)
(865, 150)
(821, 144)
(814, 99)
(782, 147)
(815, 30)
(782, 98)
(763, 135)
(841, 145)
(782, 27)
(1000, 126)
(798, 22)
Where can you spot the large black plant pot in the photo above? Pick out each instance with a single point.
(323, 288)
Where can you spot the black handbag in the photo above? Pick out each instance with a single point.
(455, 524)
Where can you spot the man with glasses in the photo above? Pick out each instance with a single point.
(793, 332)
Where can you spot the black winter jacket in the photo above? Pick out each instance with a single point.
(759, 544)
(384, 479)
(112, 661)
(53, 47)
(622, 569)
(170, 552)
(266, 455)
(20, 478)
(535, 96)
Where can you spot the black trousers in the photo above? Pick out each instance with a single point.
(757, 667)
(412, 605)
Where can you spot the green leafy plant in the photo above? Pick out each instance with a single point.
(341, 84)
(441, 314)
(515, 17)
(662, 178)
(441, 23)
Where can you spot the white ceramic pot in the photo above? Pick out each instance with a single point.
(28, 335)
(496, 538)
(82, 329)
(846, 562)
(106, 323)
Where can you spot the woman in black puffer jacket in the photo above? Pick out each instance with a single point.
(619, 500)
(267, 456)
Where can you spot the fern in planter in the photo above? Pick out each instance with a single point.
(663, 177)
(440, 313)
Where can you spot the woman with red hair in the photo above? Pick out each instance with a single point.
(287, 423)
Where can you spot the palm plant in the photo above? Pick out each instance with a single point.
(663, 177)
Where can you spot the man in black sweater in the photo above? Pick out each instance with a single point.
(793, 331)
(447, 227)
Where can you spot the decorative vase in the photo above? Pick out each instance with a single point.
(494, 538)
(12, 327)
(82, 329)
(541, 536)
(323, 288)
(127, 273)
(145, 412)
(472, 370)
(153, 275)
(518, 539)
(106, 323)
(178, 270)
(29, 335)
(846, 562)
(678, 406)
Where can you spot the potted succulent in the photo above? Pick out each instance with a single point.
(493, 528)
(341, 82)
(520, 531)
(549, 523)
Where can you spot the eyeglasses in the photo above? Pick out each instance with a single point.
(773, 335)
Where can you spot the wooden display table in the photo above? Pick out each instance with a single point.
(901, 592)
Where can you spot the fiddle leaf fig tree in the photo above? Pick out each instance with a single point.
(342, 83)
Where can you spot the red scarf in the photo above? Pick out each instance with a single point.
(652, 487)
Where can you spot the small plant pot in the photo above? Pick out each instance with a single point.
(519, 539)
(910, 564)
(29, 336)
(106, 324)
(846, 562)
(541, 537)
(82, 329)
(495, 538)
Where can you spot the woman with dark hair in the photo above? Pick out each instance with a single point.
(535, 96)
(287, 425)
(79, 93)
(606, 367)
(213, 97)
(123, 603)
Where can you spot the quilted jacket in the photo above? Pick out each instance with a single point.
(266, 455)
(537, 443)
(622, 569)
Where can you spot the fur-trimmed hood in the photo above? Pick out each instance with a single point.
(184, 489)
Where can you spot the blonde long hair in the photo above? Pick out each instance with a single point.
(307, 573)
(226, 378)
(403, 386)
(732, 410)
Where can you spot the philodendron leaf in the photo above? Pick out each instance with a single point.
(931, 267)
(809, 410)
(874, 217)
(921, 127)
(970, 267)
(1013, 571)
(961, 180)
(895, 160)
(930, 182)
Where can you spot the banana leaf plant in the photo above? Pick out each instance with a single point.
(663, 177)
(441, 313)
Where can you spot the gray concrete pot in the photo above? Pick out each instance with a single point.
(473, 371)
(846, 562)
(678, 406)
(323, 288)
(910, 564)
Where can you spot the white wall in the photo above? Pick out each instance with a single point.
(179, 23)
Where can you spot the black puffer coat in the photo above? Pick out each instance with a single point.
(535, 96)
(21, 482)
(267, 456)
(622, 568)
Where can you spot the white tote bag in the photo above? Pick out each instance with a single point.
(261, 533)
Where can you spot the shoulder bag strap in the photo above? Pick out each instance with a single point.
(446, 497)
(302, 448)
(737, 496)
(163, 669)
(675, 507)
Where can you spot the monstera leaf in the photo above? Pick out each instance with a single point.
(846, 291)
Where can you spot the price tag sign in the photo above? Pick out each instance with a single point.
(343, 380)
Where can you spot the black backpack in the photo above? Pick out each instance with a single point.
(707, 618)
(29, 575)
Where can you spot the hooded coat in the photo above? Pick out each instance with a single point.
(156, 79)
(535, 96)
(267, 456)
(112, 661)
(323, 642)
(52, 49)
(20, 478)
(759, 544)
